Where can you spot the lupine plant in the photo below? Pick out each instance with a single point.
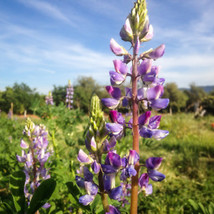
(69, 95)
(34, 156)
(49, 99)
(146, 91)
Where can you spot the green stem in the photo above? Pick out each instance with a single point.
(135, 129)
(54, 144)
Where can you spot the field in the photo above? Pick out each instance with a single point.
(188, 163)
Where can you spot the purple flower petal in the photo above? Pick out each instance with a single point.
(155, 175)
(114, 92)
(144, 118)
(91, 188)
(143, 180)
(124, 162)
(86, 199)
(95, 167)
(20, 159)
(114, 128)
(159, 104)
(157, 52)
(110, 103)
(145, 132)
(154, 92)
(113, 210)
(87, 174)
(116, 78)
(126, 33)
(159, 134)
(141, 94)
(153, 162)
(46, 205)
(83, 157)
(114, 160)
(130, 171)
(120, 67)
(109, 181)
(154, 122)
(148, 190)
(23, 144)
(116, 193)
(108, 169)
(145, 67)
(117, 49)
(149, 34)
(133, 157)
(80, 181)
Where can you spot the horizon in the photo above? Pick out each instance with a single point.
(46, 43)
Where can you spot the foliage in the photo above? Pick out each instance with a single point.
(177, 97)
(22, 97)
(188, 162)
(83, 90)
(195, 96)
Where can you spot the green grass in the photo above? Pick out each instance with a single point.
(188, 163)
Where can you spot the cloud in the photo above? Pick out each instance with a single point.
(47, 9)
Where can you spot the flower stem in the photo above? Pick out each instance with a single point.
(134, 190)
(104, 196)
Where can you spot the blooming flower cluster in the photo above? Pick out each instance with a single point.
(146, 90)
(69, 95)
(34, 156)
(49, 99)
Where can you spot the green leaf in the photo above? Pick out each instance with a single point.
(41, 195)
(193, 204)
(17, 182)
(7, 208)
(203, 209)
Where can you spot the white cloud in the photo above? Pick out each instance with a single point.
(47, 9)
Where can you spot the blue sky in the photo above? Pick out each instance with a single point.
(47, 42)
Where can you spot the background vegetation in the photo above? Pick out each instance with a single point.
(188, 151)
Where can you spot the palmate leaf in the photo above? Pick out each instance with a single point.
(41, 195)
(16, 185)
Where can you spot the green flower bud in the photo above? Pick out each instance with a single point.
(29, 125)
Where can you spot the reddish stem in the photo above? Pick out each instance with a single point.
(134, 191)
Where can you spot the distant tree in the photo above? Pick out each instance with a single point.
(59, 93)
(83, 91)
(195, 96)
(21, 95)
(208, 104)
(177, 97)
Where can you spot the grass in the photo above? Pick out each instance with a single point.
(188, 163)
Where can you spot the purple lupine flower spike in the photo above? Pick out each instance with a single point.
(49, 99)
(34, 155)
(69, 95)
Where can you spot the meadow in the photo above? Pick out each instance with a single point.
(188, 162)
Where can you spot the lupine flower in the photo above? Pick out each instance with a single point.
(49, 99)
(144, 184)
(34, 156)
(69, 95)
(152, 164)
(101, 137)
(117, 49)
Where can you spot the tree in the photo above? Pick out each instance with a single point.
(177, 97)
(59, 93)
(195, 96)
(84, 90)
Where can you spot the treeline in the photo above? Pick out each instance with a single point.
(27, 99)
